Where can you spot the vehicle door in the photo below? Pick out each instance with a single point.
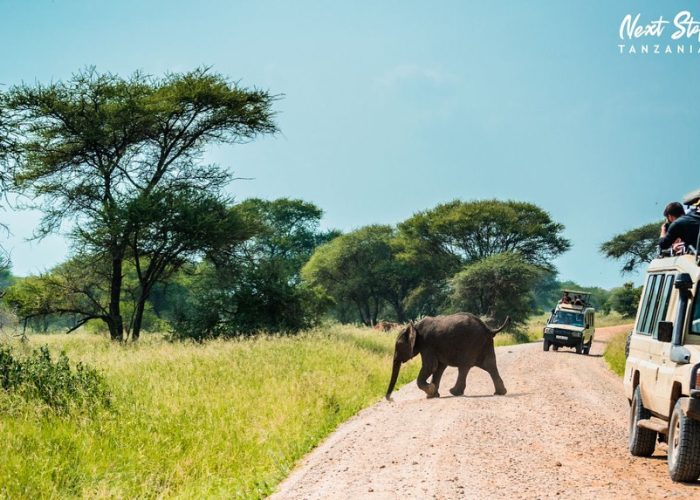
(643, 344)
(659, 352)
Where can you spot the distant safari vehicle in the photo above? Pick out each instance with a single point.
(572, 323)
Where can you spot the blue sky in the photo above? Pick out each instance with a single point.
(391, 107)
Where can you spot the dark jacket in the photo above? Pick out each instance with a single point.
(685, 227)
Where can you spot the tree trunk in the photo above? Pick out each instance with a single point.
(400, 313)
(138, 318)
(138, 314)
(364, 313)
(376, 311)
(116, 323)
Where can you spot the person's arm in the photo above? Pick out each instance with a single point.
(669, 235)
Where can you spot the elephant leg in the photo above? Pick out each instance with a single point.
(461, 384)
(437, 375)
(489, 365)
(429, 367)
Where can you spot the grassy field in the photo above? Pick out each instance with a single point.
(221, 419)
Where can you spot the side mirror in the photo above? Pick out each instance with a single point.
(665, 331)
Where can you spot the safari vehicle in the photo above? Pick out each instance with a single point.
(571, 325)
(662, 379)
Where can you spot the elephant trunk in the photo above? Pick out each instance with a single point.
(394, 375)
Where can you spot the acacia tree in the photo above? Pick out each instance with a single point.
(91, 147)
(441, 241)
(635, 247)
(468, 231)
(173, 227)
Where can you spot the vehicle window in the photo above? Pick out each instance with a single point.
(695, 323)
(664, 299)
(647, 310)
(567, 318)
(654, 304)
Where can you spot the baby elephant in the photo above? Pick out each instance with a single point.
(460, 340)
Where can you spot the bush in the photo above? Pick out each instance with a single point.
(625, 299)
(38, 378)
(496, 287)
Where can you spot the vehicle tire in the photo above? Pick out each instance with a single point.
(555, 347)
(579, 347)
(683, 447)
(641, 441)
(587, 348)
(545, 345)
(627, 344)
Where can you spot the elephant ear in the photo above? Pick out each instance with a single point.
(405, 343)
(412, 335)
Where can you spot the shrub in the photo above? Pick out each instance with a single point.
(497, 286)
(38, 378)
(625, 299)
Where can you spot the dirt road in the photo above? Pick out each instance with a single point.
(560, 432)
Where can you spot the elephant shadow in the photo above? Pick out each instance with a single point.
(480, 396)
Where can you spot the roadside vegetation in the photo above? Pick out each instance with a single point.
(615, 353)
(220, 418)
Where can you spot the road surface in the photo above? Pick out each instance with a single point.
(560, 432)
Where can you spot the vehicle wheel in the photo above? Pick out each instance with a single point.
(579, 347)
(683, 447)
(545, 345)
(555, 347)
(642, 441)
(587, 348)
(627, 344)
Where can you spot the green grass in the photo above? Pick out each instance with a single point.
(220, 419)
(615, 353)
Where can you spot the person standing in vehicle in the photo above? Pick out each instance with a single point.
(680, 232)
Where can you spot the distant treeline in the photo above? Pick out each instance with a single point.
(289, 274)
(156, 244)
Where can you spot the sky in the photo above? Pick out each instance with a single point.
(389, 108)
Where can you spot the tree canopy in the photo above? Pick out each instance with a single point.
(257, 286)
(625, 299)
(468, 231)
(635, 247)
(91, 149)
(497, 286)
(361, 268)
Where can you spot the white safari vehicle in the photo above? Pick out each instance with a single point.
(661, 377)
(571, 325)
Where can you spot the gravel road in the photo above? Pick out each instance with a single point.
(560, 432)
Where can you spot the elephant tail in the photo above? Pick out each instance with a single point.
(505, 323)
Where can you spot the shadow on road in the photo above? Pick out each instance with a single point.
(477, 396)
